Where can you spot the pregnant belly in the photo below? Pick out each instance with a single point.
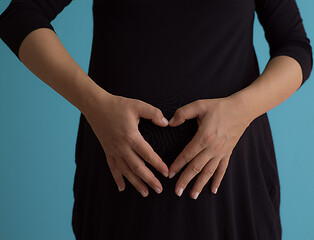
(168, 141)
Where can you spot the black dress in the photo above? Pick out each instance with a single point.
(169, 53)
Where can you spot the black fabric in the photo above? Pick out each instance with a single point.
(21, 17)
(169, 53)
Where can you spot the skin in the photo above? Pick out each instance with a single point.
(43, 54)
(221, 121)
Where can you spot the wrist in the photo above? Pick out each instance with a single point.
(243, 105)
(92, 95)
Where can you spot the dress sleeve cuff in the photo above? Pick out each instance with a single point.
(302, 54)
(14, 28)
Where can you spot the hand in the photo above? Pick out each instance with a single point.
(221, 124)
(115, 119)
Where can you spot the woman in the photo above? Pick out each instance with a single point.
(189, 61)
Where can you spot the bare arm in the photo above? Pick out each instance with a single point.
(291, 57)
(25, 28)
(222, 121)
(280, 79)
(45, 56)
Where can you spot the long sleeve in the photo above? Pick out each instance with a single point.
(285, 33)
(23, 16)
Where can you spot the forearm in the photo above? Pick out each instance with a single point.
(45, 56)
(281, 78)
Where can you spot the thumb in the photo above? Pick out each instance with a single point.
(148, 111)
(187, 111)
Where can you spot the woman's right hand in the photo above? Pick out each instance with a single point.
(114, 120)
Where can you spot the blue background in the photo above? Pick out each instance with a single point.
(36, 197)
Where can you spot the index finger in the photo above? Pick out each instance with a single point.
(144, 149)
(194, 147)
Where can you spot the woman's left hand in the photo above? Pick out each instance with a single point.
(221, 123)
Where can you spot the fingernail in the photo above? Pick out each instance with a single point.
(157, 189)
(171, 175)
(195, 195)
(165, 120)
(165, 174)
(144, 193)
(215, 190)
(171, 121)
(120, 188)
(180, 190)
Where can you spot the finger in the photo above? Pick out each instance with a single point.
(133, 179)
(195, 167)
(116, 173)
(149, 111)
(194, 147)
(204, 176)
(137, 166)
(219, 174)
(188, 111)
(144, 149)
